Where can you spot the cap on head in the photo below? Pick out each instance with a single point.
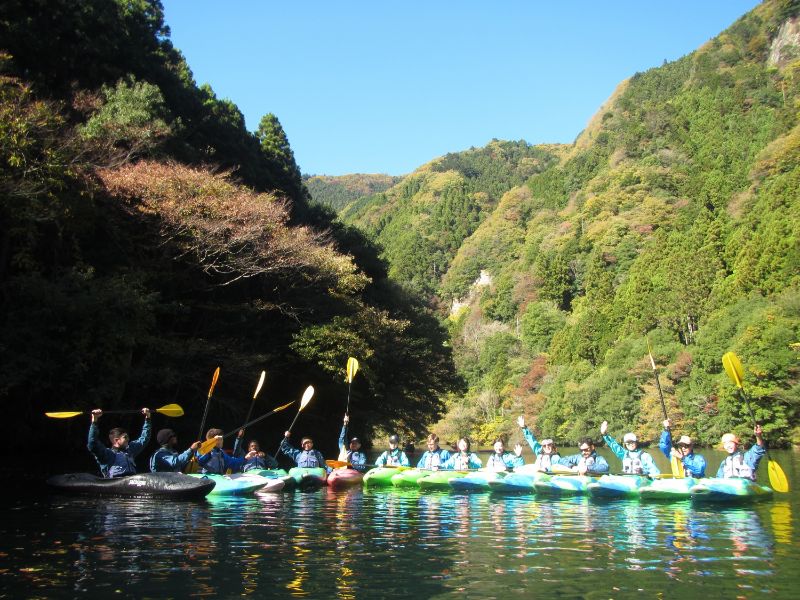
(547, 442)
(164, 436)
(630, 437)
(685, 441)
(355, 440)
(306, 439)
(393, 439)
(729, 437)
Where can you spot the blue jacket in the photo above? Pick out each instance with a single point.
(433, 460)
(462, 462)
(395, 458)
(303, 458)
(358, 459)
(255, 463)
(541, 459)
(594, 462)
(116, 463)
(638, 461)
(218, 462)
(504, 462)
(742, 464)
(167, 460)
(694, 465)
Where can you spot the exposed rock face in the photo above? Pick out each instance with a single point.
(786, 45)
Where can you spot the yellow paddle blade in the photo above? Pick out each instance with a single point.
(777, 478)
(207, 446)
(352, 369)
(171, 410)
(733, 367)
(677, 468)
(306, 397)
(213, 382)
(650, 353)
(63, 415)
(337, 464)
(260, 383)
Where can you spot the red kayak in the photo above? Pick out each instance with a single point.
(344, 477)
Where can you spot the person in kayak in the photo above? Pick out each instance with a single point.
(261, 460)
(694, 465)
(307, 457)
(738, 463)
(167, 458)
(463, 459)
(500, 460)
(119, 459)
(393, 457)
(352, 452)
(545, 452)
(217, 462)
(434, 457)
(634, 461)
(587, 461)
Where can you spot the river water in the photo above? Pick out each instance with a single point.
(400, 544)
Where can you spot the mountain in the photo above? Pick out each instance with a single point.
(338, 191)
(674, 217)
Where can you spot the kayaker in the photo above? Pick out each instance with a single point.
(463, 459)
(634, 461)
(119, 459)
(500, 460)
(434, 457)
(307, 457)
(738, 463)
(694, 465)
(167, 458)
(393, 457)
(587, 461)
(352, 453)
(545, 452)
(217, 462)
(261, 460)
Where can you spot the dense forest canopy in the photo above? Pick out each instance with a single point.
(673, 216)
(146, 237)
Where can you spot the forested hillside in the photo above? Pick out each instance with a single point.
(338, 191)
(146, 237)
(674, 216)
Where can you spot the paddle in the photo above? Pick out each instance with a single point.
(733, 367)
(208, 445)
(352, 369)
(208, 401)
(675, 465)
(171, 410)
(255, 394)
(303, 403)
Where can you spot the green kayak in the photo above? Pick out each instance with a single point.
(732, 491)
(563, 485)
(668, 489)
(237, 484)
(409, 477)
(381, 476)
(439, 480)
(308, 478)
(617, 486)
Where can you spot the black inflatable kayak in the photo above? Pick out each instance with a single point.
(162, 485)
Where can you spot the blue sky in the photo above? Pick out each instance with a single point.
(386, 86)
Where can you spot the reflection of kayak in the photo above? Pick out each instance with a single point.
(308, 478)
(408, 477)
(668, 489)
(381, 476)
(515, 482)
(237, 484)
(474, 482)
(344, 477)
(617, 486)
(439, 480)
(162, 485)
(563, 485)
(729, 490)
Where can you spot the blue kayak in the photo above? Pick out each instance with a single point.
(563, 485)
(668, 489)
(515, 483)
(474, 482)
(733, 490)
(617, 486)
(237, 484)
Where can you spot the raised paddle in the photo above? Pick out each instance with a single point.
(733, 367)
(171, 410)
(208, 401)
(208, 445)
(352, 369)
(255, 394)
(675, 465)
(303, 403)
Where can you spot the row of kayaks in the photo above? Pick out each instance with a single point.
(547, 484)
(522, 480)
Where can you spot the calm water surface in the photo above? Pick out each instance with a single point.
(392, 544)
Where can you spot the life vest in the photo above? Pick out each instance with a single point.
(308, 459)
(545, 461)
(433, 459)
(215, 464)
(461, 461)
(123, 465)
(496, 462)
(632, 463)
(254, 463)
(393, 458)
(734, 466)
(587, 462)
(155, 460)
